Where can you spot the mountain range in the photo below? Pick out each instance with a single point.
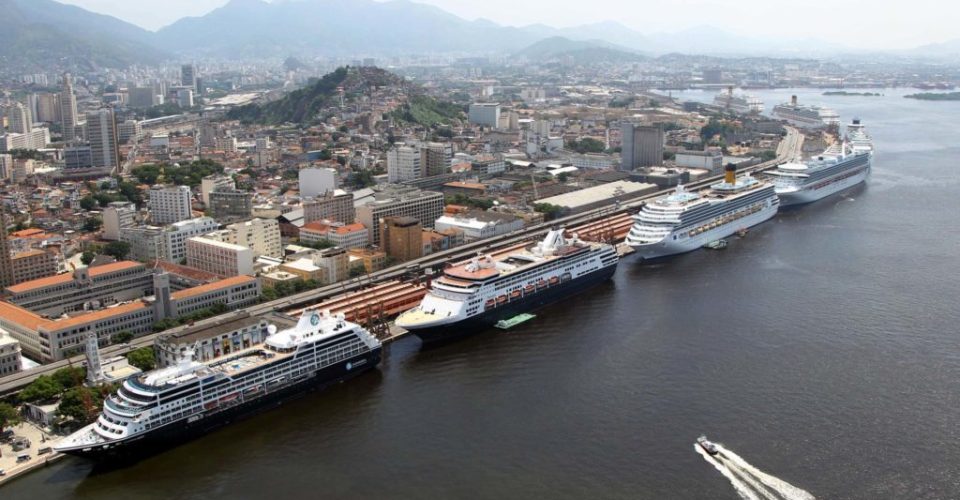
(38, 31)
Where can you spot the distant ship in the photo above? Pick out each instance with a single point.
(477, 294)
(172, 404)
(740, 103)
(838, 168)
(685, 221)
(708, 446)
(809, 117)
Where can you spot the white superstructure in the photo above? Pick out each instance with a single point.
(808, 117)
(740, 103)
(685, 220)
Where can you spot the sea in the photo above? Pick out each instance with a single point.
(821, 352)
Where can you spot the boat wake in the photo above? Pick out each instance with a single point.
(748, 481)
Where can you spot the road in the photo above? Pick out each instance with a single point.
(789, 149)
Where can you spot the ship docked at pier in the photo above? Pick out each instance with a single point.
(475, 295)
(739, 103)
(684, 221)
(170, 405)
(806, 117)
(839, 167)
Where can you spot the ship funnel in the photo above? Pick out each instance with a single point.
(793, 100)
(730, 174)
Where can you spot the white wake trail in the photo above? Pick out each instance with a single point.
(781, 487)
(745, 492)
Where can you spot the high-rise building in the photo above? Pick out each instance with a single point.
(130, 131)
(19, 119)
(317, 181)
(77, 156)
(175, 236)
(68, 108)
(6, 264)
(169, 204)
(425, 206)
(486, 114)
(401, 238)
(142, 97)
(229, 204)
(333, 206)
(32, 264)
(6, 166)
(403, 164)
(260, 235)
(212, 183)
(188, 76)
(48, 108)
(103, 138)
(641, 146)
(218, 257)
(434, 158)
(185, 98)
(118, 216)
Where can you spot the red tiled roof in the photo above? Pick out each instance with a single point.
(67, 277)
(209, 287)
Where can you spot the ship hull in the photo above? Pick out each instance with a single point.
(176, 433)
(668, 246)
(453, 331)
(809, 194)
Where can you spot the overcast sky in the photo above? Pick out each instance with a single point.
(878, 24)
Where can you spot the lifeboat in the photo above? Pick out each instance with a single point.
(541, 284)
(515, 294)
(502, 299)
(490, 303)
(554, 280)
(529, 289)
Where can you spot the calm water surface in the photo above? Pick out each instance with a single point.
(823, 348)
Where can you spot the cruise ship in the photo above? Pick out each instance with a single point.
(740, 103)
(170, 405)
(685, 220)
(808, 117)
(839, 167)
(476, 294)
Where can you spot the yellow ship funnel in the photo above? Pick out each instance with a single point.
(730, 174)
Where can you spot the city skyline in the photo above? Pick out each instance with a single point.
(835, 23)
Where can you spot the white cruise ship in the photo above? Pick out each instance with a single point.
(836, 169)
(740, 103)
(169, 405)
(476, 294)
(808, 117)
(685, 220)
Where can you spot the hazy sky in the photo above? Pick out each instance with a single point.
(879, 24)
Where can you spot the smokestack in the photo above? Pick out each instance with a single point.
(730, 174)
(793, 100)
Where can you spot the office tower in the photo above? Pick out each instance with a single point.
(68, 108)
(48, 108)
(102, 135)
(641, 146)
(169, 204)
(317, 181)
(188, 76)
(19, 119)
(484, 113)
(402, 238)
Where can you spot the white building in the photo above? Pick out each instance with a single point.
(260, 235)
(169, 204)
(118, 215)
(212, 182)
(37, 138)
(316, 182)
(486, 114)
(185, 98)
(225, 259)
(479, 225)
(10, 361)
(403, 164)
(176, 235)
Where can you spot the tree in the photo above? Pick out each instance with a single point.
(82, 404)
(8, 416)
(88, 202)
(92, 224)
(768, 155)
(357, 269)
(143, 358)
(87, 257)
(548, 210)
(121, 338)
(70, 376)
(44, 388)
(117, 249)
(587, 145)
(562, 177)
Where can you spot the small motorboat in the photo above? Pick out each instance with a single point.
(707, 445)
(743, 232)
